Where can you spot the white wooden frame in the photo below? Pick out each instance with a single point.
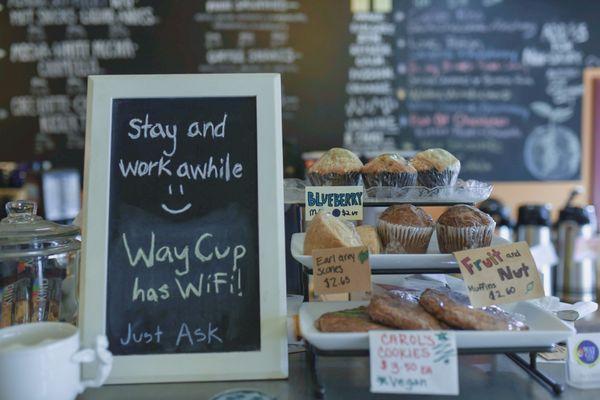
(271, 361)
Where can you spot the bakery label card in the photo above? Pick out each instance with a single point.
(341, 201)
(500, 274)
(583, 360)
(341, 270)
(417, 362)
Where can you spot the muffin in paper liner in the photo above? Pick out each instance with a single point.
(389, 179)
(334, 179)
(337, 167)
(452, 238)
(404, 239)
(432, 178)
(436, 167)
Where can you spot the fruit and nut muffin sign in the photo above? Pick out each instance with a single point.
(183, 271)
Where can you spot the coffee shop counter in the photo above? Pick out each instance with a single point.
(488, 377)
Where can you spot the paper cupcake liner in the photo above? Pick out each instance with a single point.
(451, 238)
(402, 239)
(390, 179)
(433, 178)
(334, 179)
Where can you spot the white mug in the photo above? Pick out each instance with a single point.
(42, 360)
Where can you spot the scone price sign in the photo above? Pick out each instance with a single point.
(341, 201)
(500, 274)
(341, 270)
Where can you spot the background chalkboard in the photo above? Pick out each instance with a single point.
(223, 205)
(496, 84)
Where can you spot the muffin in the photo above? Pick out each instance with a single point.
(436, 167)
(328, 232)
(389, 170)
(405, 229)
(337, 167)
(370, 238)
(464, 227)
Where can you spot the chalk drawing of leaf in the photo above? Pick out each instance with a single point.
(561, 114)
(542, 109)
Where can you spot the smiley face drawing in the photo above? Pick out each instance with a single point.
(175, 211)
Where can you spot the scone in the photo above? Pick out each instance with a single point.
(328, 232)
(463, 227)
(405, 228)
(337, 167)
(389, 170)
(436, 167)
(370, 238)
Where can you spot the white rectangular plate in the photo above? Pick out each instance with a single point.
(544, 330)
(433, 259)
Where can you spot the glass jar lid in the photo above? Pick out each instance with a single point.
(24, 234)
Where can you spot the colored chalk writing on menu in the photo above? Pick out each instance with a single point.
(418, 362)
(476, 77)
(500, 274)
(183, 226)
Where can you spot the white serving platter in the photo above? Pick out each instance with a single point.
(432, 260)
(545, 329)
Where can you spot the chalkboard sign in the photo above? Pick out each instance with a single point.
(183, 226)
(499, 87)
(188, 259)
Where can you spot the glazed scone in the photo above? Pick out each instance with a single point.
(389, 170)
(405, 228)
(327, 232)
(370, 238)
(337, 167)
(463, 227)
(436, 167)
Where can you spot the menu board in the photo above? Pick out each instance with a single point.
(498, 87)
(183, 270)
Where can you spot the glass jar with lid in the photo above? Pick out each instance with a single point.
(39, 263)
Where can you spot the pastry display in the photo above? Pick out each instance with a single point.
(389, 170)
(327, 232)
(353, 320)
(404, 229)
(436, 167)
(463, 227)
(434, 309)
(454, 309)
(337, 167)
(402, 312)
(370, 238)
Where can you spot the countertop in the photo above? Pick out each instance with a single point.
(487, 377)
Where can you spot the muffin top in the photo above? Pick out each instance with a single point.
(406, 214)
(388, 163)
(465, 216)
(337, 160)
(439, 159)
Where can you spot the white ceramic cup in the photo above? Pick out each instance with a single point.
(43, 361)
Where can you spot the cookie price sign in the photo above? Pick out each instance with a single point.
(500, 274)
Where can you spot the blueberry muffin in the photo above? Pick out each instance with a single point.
(389, 170)
(436, 167)
(337, 167)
